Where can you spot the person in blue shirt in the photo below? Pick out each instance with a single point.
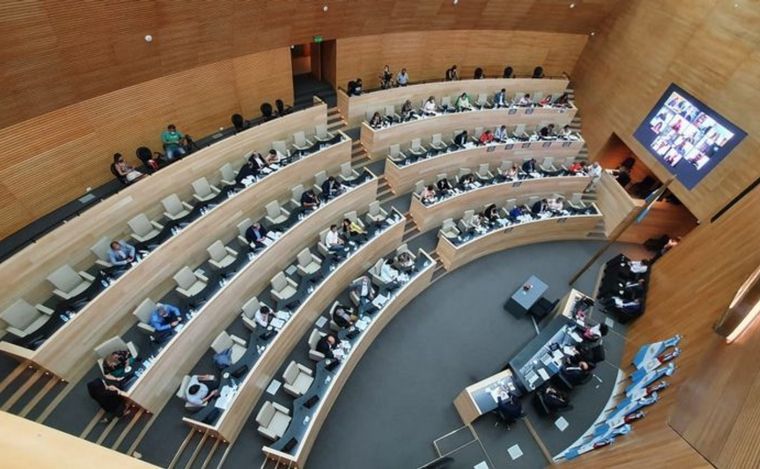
(121, 253)
(516, 212)
(164, 319)
(173, 140)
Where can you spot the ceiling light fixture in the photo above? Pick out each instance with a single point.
(572, 5)
(324, 8)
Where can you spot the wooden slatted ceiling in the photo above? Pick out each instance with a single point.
(55, 53)
(52, 159)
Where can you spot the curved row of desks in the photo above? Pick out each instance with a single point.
(427, 217)
(355, 108)
(378, 141)
(572, 227)
(109, 313)
(24, 274)
(402, 179)
(230, 423)
(306, 423)
(159, 382)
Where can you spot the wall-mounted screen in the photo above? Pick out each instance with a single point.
(688, 137)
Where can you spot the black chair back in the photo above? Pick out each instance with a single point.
(538, 72)
(508, 72)
(238, 122)
(266, 110)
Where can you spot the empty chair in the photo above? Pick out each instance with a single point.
(505, 165)
(376, 213)
(242, 228)
(68, 283)
(548, 165)
(467, 221)
(174, 208)
(143, 313)
(333, 325)
(417, 149)
(300, 142)
(319, 179)
(275, 213)
(297, 379)
(484, 174)
(511, 203)
(308, 263)
(233, 343)
(143, 229)
(295, 195)
(475, 137)
(576, 201)
(483, 100)
(221, 256)
(390, 112)
(348, 174)
(203, 191)
(519, 132)
(112, 345)
(322, 134)
(419, 186)
(100, 249)
(250, 308)
(313, 341)
(23, 319)
(437, 142)
(537, 96)
(449, 229)
(283, 289)
(322, 244)
(228, 174)
(395, 153)
(445, 102)
(189, 283)
(273, 420)
(281, 147)
(531, 201)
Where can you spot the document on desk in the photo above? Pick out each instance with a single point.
(277, 323)
(546, 359)
(558, 355)
(225, 396)
(362, 324)
(380, 300)
(543, 374)
(532, 378)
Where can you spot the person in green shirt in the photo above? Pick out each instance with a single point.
(463, 103)
(173, 140)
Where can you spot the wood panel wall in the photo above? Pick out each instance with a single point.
(52, 159)
(364, 57)
(59, 52)
(709, 48)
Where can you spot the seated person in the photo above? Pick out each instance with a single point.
(529, 166)
(463, 103)
(404, 262)
(525, 101)
(428, 195)
(566, 132)
(467, 182)
(362, 288)
(252, 167)
(577, 374)
(461, 139)
(555, 205)
(173, 141)
(452, 74)
(334, 243)
(563, 100)
(509, 409)
(255, 235)
(151, 159)
(386, 78)
(516, 212)
(121, 253)
(577, 167)
(623, 177)
(491, 213)
(327, 345)
(201, 389)
(331, 188)
(407, 112)
(164, 319)
(510, 174)
(109, 397)
(124, 172)
(388, 274)
(538, 207)
(486, 137)
(501, 134)
(273, 157)
(547, 131)
(263, 316)
(430, 108)
(117, 366)
(594, 333)
(555, 399)
(355, 87)
(402, 79)
(444, 186)
(545, 101)
(377, 121)
(351, 230)
(309, 201)
(500, 98)
(344, 316)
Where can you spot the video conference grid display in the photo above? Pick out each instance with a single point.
(687, 136)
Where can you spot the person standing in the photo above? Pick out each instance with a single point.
(402, 79)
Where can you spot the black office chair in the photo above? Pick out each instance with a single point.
(238, 122)
(508, 72)
(539, 404)
(266, 110)
(478, 73)
(542, 308)
(282, 109)
(538, 72)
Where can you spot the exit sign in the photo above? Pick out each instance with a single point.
(318, 38)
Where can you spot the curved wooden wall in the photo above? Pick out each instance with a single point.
(24, 274)
(402, 179)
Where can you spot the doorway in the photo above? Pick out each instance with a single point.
(314, 72)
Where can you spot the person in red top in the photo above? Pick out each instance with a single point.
(576, 167)
(486, 137)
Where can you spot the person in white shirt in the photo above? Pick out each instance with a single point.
(402, 79)
(566, 133)
(201, 389)
(387, 273)
(334, 242)
(263, 316)
(525, 101)
(429, 108)
(595, 171)
(555, 205)
(500, 135)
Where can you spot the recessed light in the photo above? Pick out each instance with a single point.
(572, 5)
(456, 1)
(593, 33)
(324, 8)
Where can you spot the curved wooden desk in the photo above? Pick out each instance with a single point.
(405, 294)
(377, 142)
(354, 109)
(159, 382)
(427, 217)
(24, 274)
(402, 179)
(532, 232)
(109, 313)
(252, 387)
